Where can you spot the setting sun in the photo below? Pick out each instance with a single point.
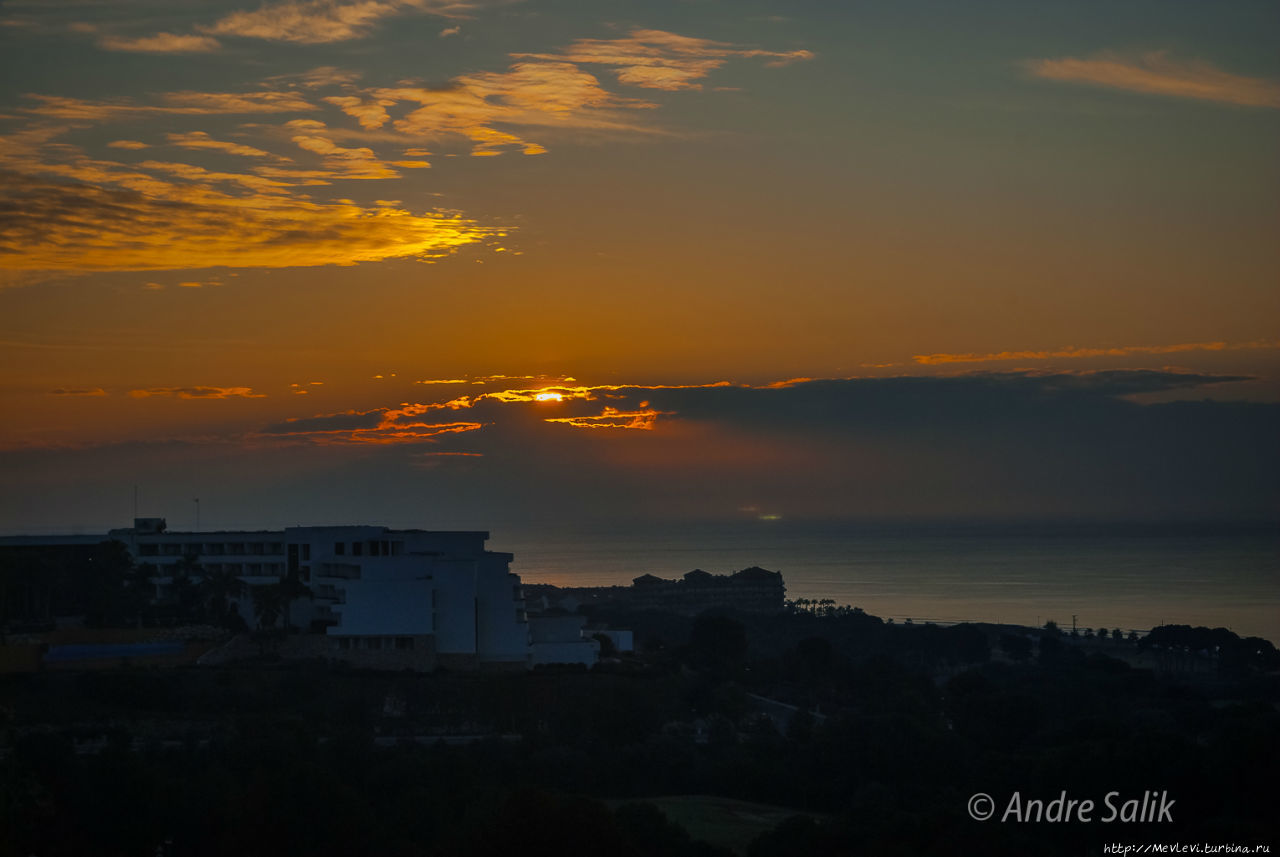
(548, 397)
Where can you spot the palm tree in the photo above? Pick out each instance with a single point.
(291, 589)
(268, 604)
(216, 590)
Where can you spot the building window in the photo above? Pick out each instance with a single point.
(373, 643)
(397, 548)
(357, 548)
(340, 548)
(306, 553)
(148, 550)
(404, 642)
(217, 549)
(236, 548)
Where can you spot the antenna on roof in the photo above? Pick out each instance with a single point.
(135, 501)
(197, 502)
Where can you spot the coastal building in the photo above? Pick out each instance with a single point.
(751, 590)
(379, 597)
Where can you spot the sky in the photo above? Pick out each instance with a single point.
(491, 263)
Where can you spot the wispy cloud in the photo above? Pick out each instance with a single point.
(1074, 353)
(199, 392)
(657, 59)
(78, 391)
(186, 103)
(144, 223)
(378, 426)
(1156, 73)
(614, 418)
(323, 21)
(62, 209)
(161, 43)
(201, 140)
(342, 162)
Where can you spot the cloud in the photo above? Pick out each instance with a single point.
(1072, 353)
(201, 140)
(149, 224)
(61, 209)
(1021, 444)
(339, 161)
(78, 391)
(161, 43)
(1156, 73)
(643, 419)
(345, 421)
(197, 393)
(379, 426)
(449, 31)
(657, 59)
(186, 103)
(545, 95)
(370, 114)
(323, 21)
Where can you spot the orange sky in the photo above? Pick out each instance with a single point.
(218, 218)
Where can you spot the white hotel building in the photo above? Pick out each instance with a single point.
(412, 599)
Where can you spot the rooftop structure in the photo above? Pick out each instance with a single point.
(380, 597)
(751, 590)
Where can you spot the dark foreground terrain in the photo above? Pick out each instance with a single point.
(800, 734)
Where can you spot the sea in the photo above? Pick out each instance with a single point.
(1132, 576)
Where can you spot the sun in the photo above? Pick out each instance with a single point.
(548, 397)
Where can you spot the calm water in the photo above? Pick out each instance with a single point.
(1132, 577)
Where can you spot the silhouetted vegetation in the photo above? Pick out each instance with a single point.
(871, 735)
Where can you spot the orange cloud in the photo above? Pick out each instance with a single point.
(201, 140)
(1155, 73)
(174, 103)
(78, 391)
(532, 94)
(161, 43)
(145, 223)
(321, 21)
(657, 59)
(340, 162)
(198, 393)
(643, 419)
(1075, 353)
(371, 114)
(379, 426)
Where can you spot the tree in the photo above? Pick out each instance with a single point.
(717, 641)
(1015, 646)
(1117, 634)
(291, 589)
(607, 648)
(217, 588)
(268, 604)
